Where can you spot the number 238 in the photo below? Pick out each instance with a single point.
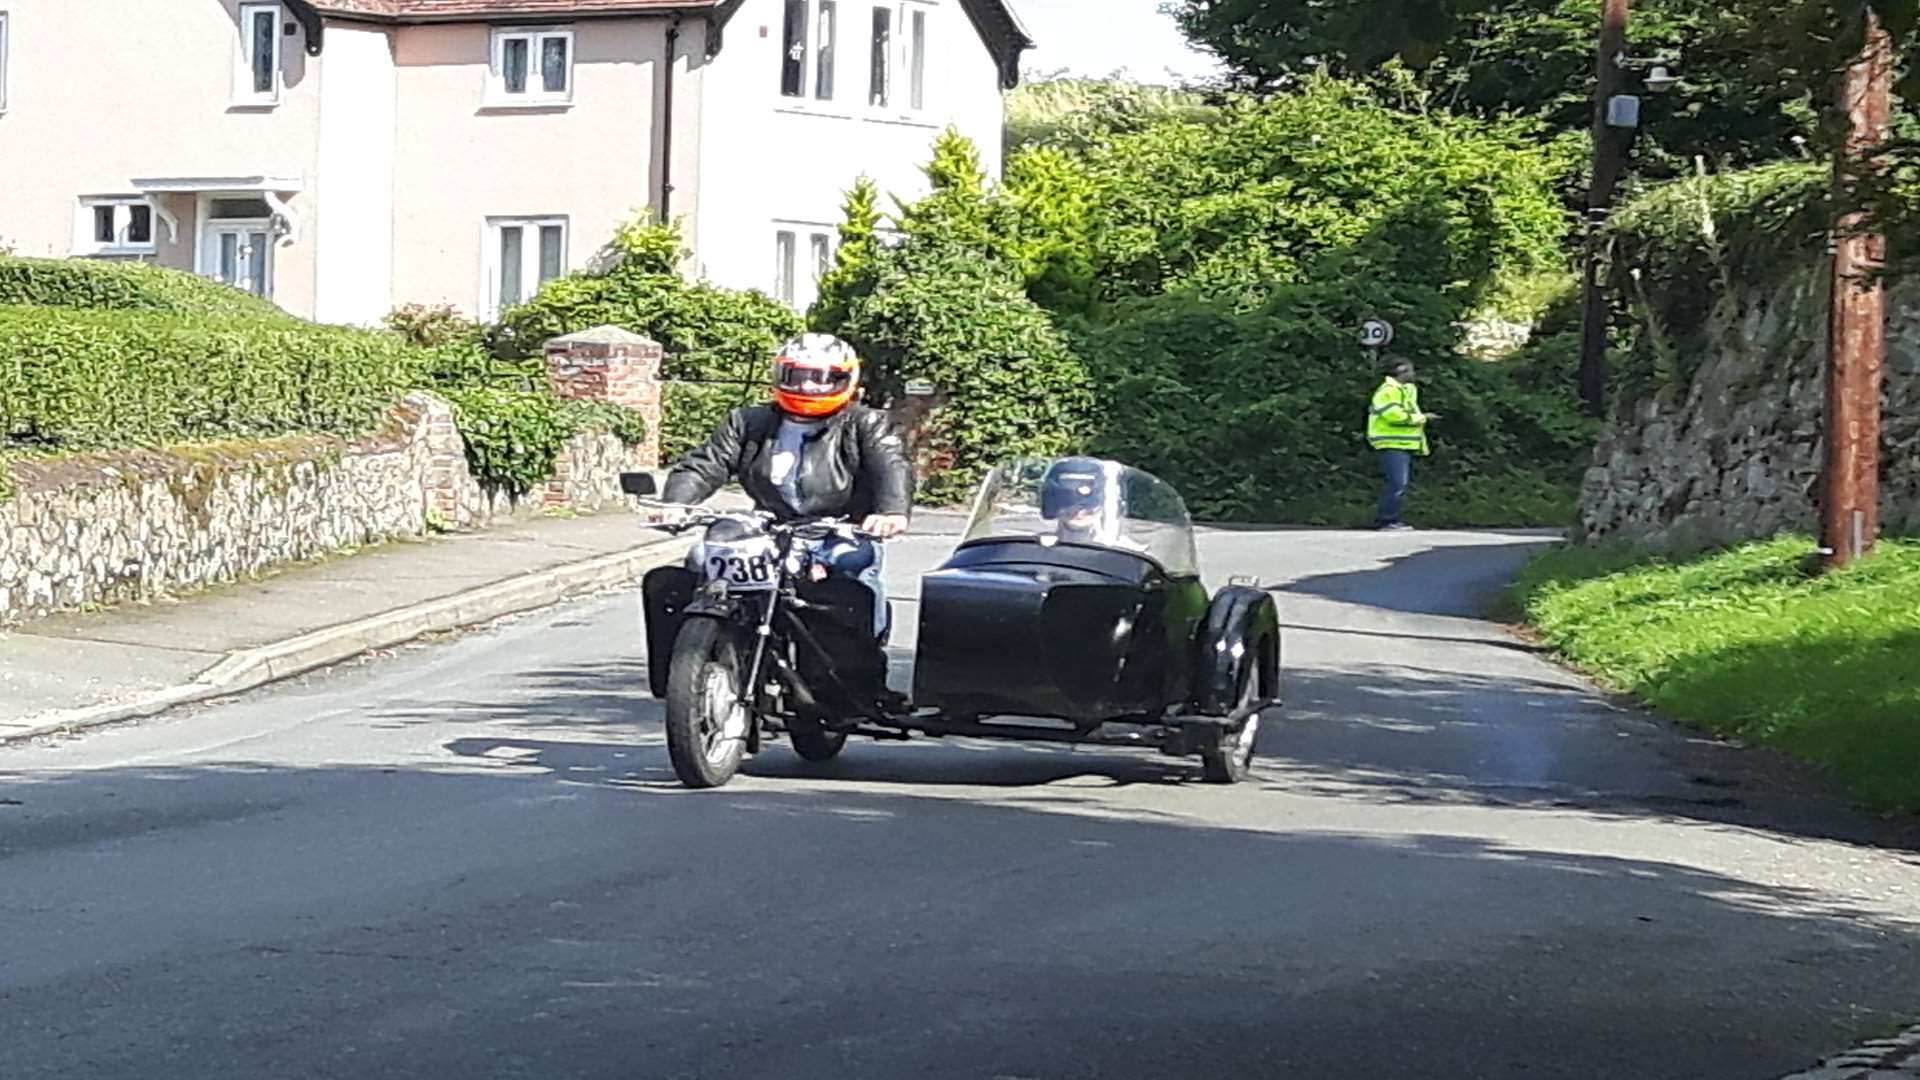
(740, 570)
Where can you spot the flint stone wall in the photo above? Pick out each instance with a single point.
(127, 525)
(1737, 456)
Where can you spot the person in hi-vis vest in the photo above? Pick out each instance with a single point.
(1397, 430)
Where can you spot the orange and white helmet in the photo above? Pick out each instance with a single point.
(815, 375)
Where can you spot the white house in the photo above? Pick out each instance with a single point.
(345, 156)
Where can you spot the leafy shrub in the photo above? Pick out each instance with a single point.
(1233, 207)
(690, 411)
(625, 424)
(1687, 248)
(83, 380)
(435, 326)
(708, 333)
(1262, 415)
(513, 437)
(85, 283)
(1074, 113)
(965, 324)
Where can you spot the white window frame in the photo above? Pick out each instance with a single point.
(901, 58)
(536, 37)
(798, 265)
(244, 93)
(819, 47)
(86, 242)
(915, 61)
(3, 63)
(786, 265)
(530, 279)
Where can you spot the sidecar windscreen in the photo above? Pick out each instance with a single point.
(1085, 501)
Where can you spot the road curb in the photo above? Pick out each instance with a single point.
(247, 669)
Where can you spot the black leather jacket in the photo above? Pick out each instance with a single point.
(856, 467)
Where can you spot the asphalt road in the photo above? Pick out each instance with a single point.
(470, 859)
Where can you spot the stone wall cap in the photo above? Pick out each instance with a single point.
(602, 335)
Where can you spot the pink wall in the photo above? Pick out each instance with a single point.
(102, 92)
(460, 161)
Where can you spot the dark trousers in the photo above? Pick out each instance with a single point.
(1396, 468)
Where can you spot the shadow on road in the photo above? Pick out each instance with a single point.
(1461, 581)
(537, 906)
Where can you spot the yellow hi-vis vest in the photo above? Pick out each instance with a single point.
(1396, 422)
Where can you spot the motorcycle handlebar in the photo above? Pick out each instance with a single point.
(811, 528)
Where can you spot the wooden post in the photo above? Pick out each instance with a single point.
(1856, 341)
(1609, 152)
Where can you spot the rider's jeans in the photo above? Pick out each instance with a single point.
(858, 558)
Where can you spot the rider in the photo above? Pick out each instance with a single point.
(814, 452)
(1085, 503)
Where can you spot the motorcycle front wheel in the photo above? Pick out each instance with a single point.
(707, 708)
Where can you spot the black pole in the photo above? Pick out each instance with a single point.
(1608, 152)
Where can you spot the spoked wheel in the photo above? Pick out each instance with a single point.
(1231, 759)
(707, 714)
(816, 743)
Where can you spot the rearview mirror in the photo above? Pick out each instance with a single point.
(638, 484)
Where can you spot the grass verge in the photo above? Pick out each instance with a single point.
(1749, 643)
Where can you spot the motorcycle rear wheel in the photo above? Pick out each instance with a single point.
(708, 715)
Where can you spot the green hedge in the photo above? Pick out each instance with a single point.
(1261, 415)
(84, 283)
(73, 380)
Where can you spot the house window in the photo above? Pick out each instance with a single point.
(257, 62)
(881, 83)
(917, 61)
(522, 255)
(119, 225)
(822, 256)
(783, 257)
(824, 26)
(811, 24)
(793, 59)
(3, 61)
(531, 67)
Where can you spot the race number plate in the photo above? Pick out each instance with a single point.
(748, 566)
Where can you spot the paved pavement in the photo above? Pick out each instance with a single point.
(470, 859)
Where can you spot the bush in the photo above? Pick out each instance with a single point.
(85, 283)
(1685, 248)
(1233, 207)
(75, 380)
(513, 437)
(1016, 387)
(1262, 415)
(709, 334)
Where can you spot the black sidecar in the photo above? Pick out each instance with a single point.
(1085, 608)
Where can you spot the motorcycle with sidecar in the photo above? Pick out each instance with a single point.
(1103, 634)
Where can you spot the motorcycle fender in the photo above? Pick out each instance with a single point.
(667, 596)
(1242, 627)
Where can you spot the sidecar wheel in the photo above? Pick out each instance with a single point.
(707, 714)
(1231, 760)
(815, 743)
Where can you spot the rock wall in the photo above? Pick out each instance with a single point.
(103, 528)
(1737, 455)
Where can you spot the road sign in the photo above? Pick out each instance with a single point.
(1376, 333)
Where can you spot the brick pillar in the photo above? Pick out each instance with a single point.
(445, 456)
(612, 365)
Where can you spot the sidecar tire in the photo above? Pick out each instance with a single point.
(706, 662)
(816, 744)
(1231, 762)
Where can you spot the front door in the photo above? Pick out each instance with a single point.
(240, 254)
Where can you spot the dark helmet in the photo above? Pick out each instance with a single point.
(1072, 484)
